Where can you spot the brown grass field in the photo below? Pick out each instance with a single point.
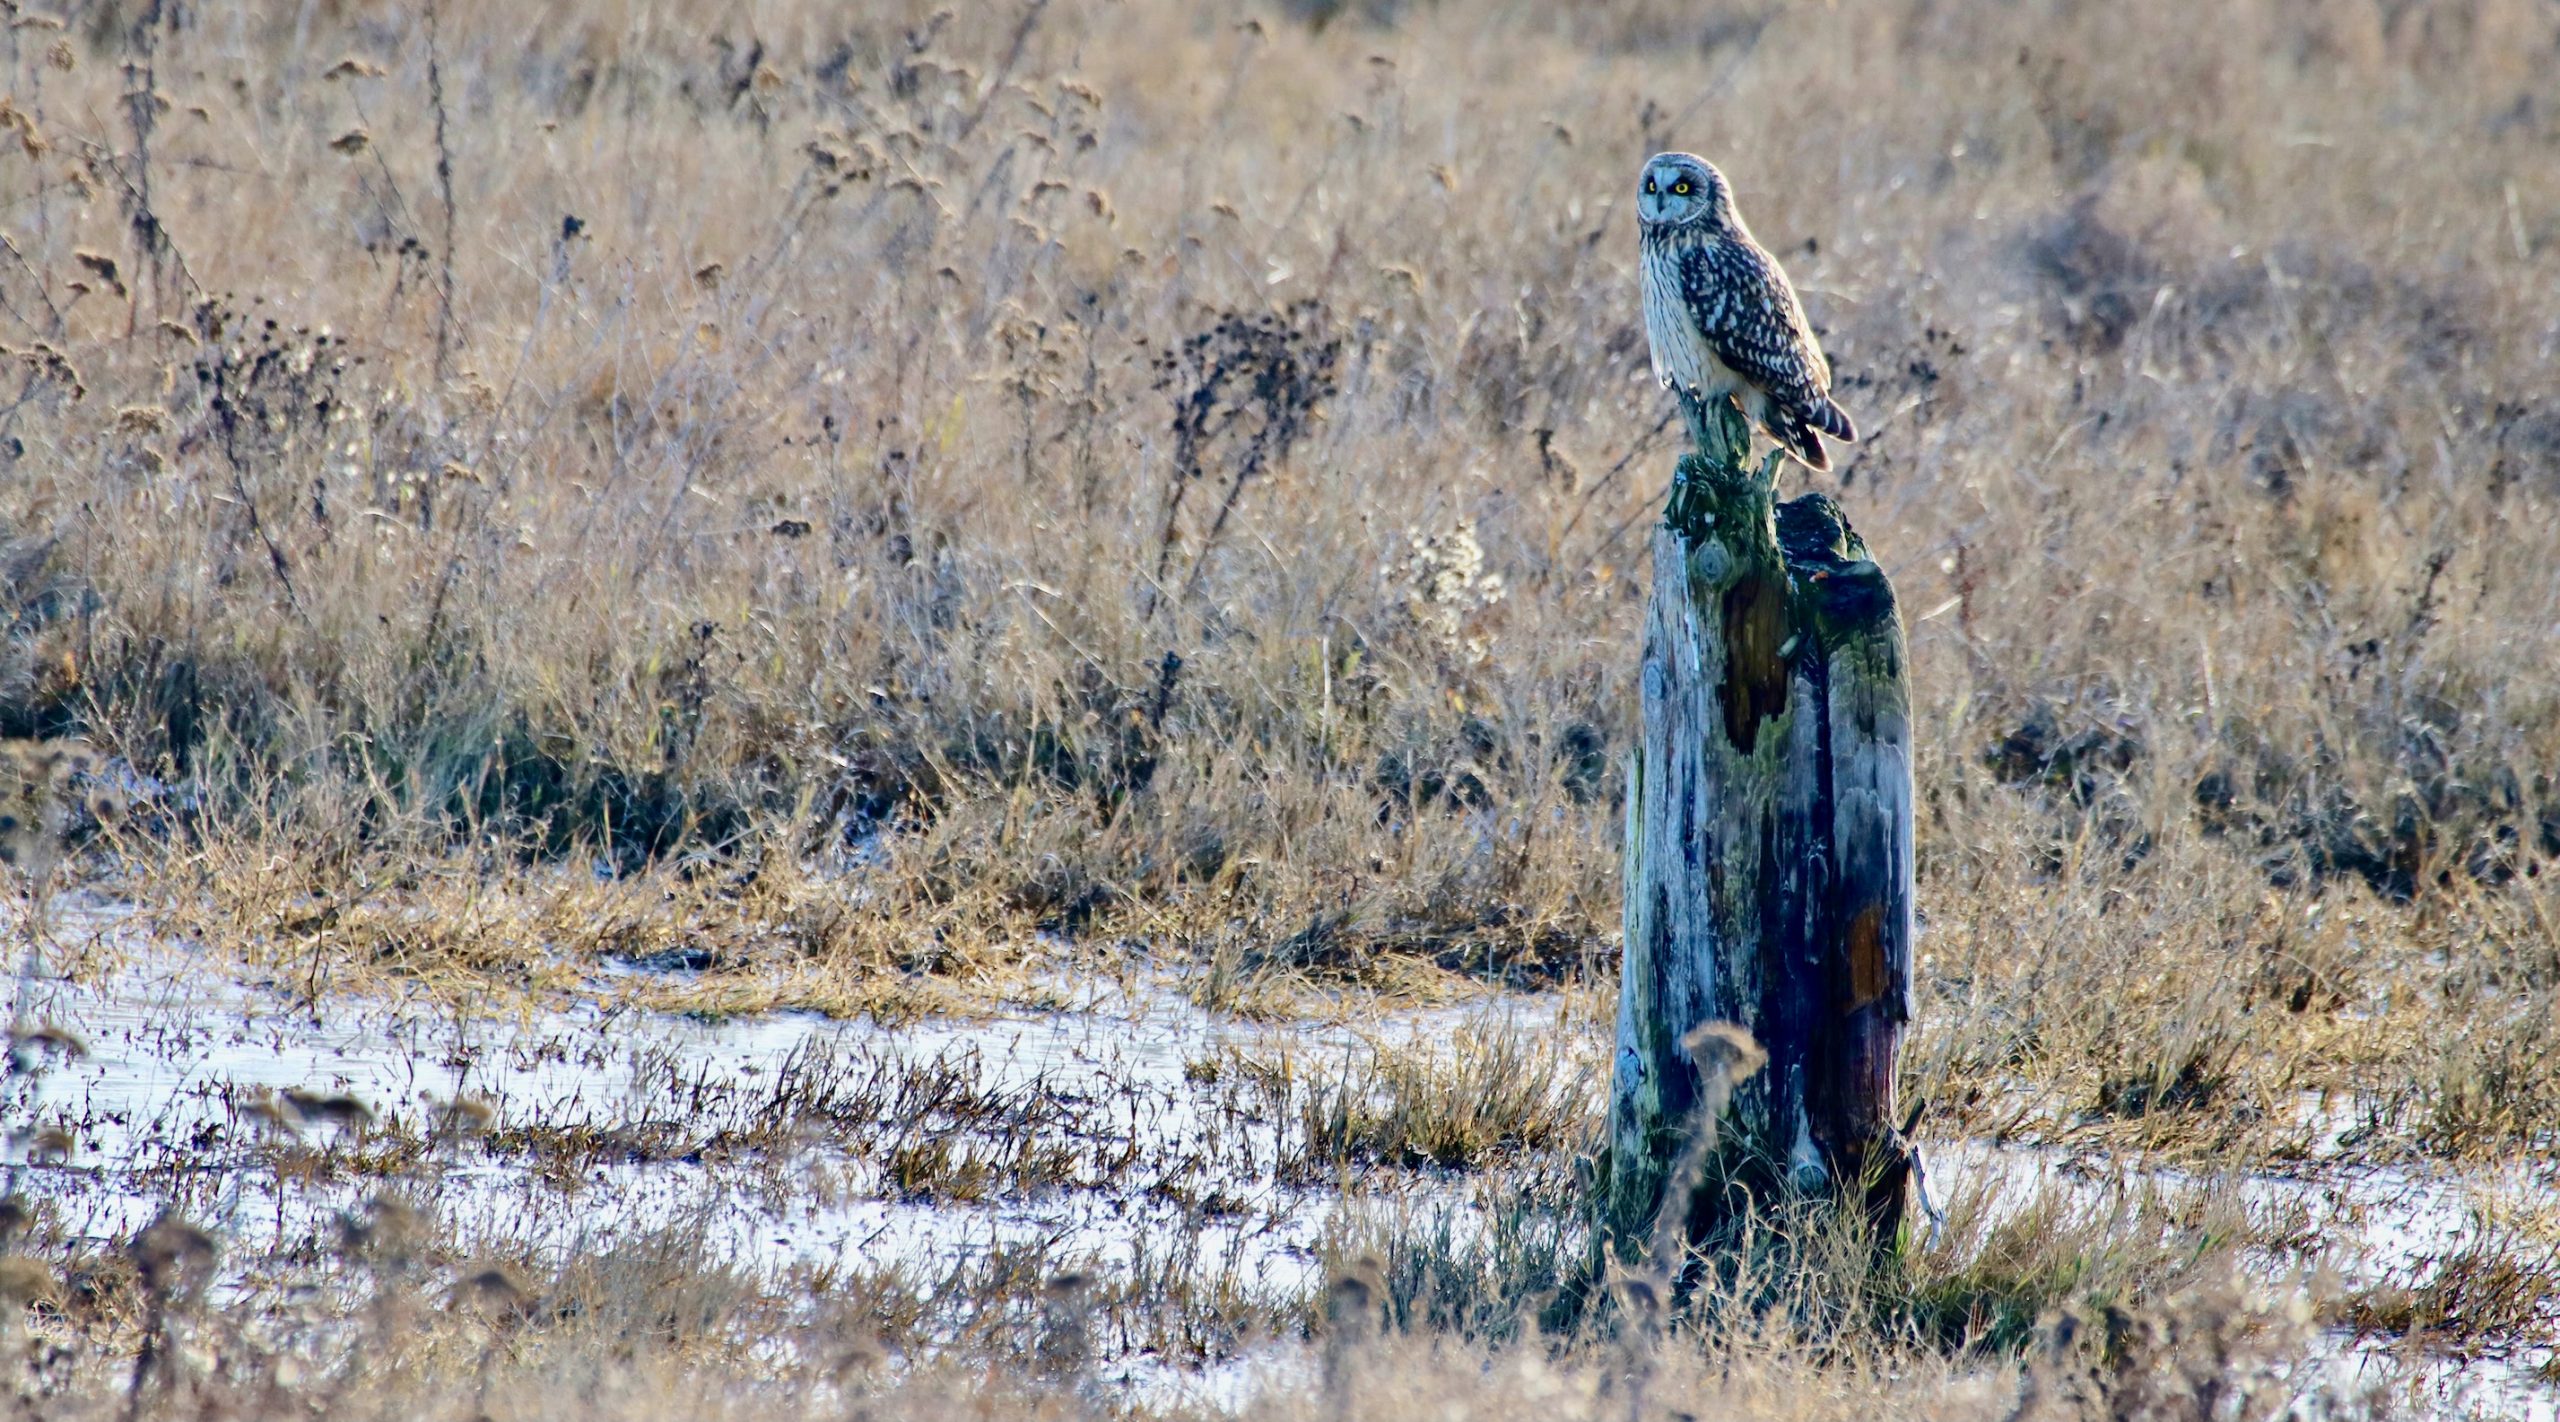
(893, 505)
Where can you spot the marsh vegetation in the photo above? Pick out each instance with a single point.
(892, 526)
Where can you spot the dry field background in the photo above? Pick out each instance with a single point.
(831, 492)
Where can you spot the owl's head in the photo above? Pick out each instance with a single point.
(1678, 189)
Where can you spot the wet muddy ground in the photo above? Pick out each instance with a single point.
(1178, 1154)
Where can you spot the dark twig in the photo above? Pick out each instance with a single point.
(444, 188)
(36, 279)
(1248, 388)
(1727, 1056)
(275, 552)
(141, 98)
(1610, 476)
(1013, 55)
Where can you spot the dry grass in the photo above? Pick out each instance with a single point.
(1486, 1094)
(1174, 481)
(872, 503)
(658, 1325)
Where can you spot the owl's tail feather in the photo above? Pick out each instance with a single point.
(1798, 438)
(1829, 418)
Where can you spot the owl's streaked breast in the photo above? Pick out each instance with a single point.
(1681, 355)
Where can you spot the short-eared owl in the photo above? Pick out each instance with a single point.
(1720, 315)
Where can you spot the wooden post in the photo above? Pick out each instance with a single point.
(1768, 851)
(1862, 925)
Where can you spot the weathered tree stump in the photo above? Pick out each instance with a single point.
(1768, 853)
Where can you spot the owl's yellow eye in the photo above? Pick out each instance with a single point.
(1681, 187)
(1649, 187)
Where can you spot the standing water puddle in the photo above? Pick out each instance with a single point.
(1134, 1133)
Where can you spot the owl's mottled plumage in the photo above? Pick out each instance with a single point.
(1720, 315)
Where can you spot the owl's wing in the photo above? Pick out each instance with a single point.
(1750, 319)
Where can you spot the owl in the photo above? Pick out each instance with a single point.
(1720, 315)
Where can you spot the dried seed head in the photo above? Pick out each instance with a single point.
(49, 1145)
(463, 1115)
(352, 67)
(13, 120)
(1638, 1295)
(387, 1232)
(862, 1356)
(1723, 1049)
(53, 1037)
(1352, 1299)
(142, 420)
(32, 807)
(494, 1290)
(24, 1281)
(103, 266)
(270, 1113)
(327, 1108)
(170, 1250)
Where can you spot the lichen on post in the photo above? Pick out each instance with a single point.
(1700, 874)
(1768, 850)
(1861, 927)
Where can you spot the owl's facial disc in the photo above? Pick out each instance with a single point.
(1671, 191)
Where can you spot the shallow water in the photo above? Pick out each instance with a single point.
(676, 1117)
(2348, 1228)
(780, 1136)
